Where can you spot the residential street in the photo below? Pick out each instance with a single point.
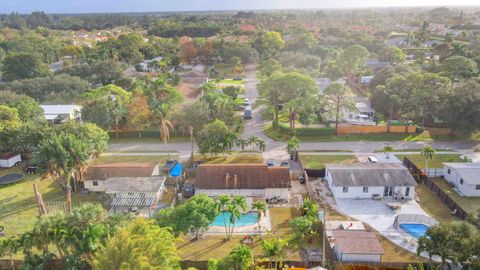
(276, 150)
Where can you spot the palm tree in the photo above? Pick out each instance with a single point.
(235, 214)
(241, 258)
(222, 202)
(261, 145)
(261, 208)
(428, 152)
(241, 143)
(274, 248)
(292, 146)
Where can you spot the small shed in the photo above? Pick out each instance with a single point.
(9, 159)
(357, 246)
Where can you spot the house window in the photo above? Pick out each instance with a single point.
(365, 189)
(461, 181)
(477, 187)
(95, 183)
(345, 189)
(449, 171)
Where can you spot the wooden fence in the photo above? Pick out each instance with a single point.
(315, 173)
(352, 129)
(203, 265)
(421, 177)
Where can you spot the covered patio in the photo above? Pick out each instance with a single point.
(139, 195)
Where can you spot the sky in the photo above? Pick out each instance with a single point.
(87, 6)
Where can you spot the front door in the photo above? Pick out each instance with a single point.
(388, 192)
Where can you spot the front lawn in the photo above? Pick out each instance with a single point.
(231, 159)
(18, 209)
(318, 161)
(469, 204)
(436, 162)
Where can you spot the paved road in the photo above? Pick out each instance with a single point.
(276, 149)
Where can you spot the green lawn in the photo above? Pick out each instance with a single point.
(318, 161)
(138, 159)
(226, 71)
(231, 82)
(433, 205)
(173, 139)
(231, 159)
(18, 210)
(436, 162)
(469, 204)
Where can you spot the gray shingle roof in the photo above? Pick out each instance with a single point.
(370, 174)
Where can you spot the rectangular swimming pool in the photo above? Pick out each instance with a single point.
(415, 230)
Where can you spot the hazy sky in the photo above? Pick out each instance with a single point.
(81, 6)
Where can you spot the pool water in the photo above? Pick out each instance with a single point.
(415, 230)
(245, 219)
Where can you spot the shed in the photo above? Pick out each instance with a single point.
(9, 159)
(357, 246)
(464, 177)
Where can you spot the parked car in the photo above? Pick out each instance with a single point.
(373, 159)
(302, 179)
(32, 169)
(237, 79)
(271, 163)
(247, 113)
(246, 102)
(188, 191)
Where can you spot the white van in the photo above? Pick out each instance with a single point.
(373, 159)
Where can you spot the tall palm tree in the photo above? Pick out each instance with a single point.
(261, 208)
(221, 203)
(235, 214)
(428, 152)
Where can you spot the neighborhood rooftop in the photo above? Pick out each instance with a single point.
(241, 176)
(468, 171)
(134, 184)
(370, 174)
(59, 109)
(357, 242)
(123, 169)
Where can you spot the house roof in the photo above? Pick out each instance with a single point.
(241, 176)
(59, 109)
(364, 108)
(357, 242)
(370, 174)
(123, 169)
(8, 155)
(134, 184)
(469, 171)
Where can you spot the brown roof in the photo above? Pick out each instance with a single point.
(7, 155)
(123, 169)
(357, 242)
(241, 176)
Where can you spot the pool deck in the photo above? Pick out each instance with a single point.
(265, 225)
(381, 218)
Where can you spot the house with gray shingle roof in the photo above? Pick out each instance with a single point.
(368, 180)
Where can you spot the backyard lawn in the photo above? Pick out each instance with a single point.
(217, 247)
(18, 210)
(230, 159)
(436, 162)
(469, 204)
(318, 161)
(433, 205)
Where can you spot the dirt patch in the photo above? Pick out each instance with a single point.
(189, 91)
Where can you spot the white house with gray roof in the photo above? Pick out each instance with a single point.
(464, 177)
(368, 180)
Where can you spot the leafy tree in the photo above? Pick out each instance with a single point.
(192, 217)
(338, 98)
(428, 152)
(274, 249)
(208, 87)
(232, 91)
(240, 258)
(28, 108)
(393, 55)
(310, 209)
(302, 227)
(458, 67)
(141, 244)
(261, 208)
(215, 138)
(271, 43)
(17, 66)
(9, 117)
(269, 66)
(463, 107)
(138, 112)
(352, 60)
(194, 115)
(106, 72)
(292, 145)
(22, 138)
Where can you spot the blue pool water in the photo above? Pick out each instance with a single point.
(415, 230)
(245, 220)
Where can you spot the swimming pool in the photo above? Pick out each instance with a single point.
(245, 219)
(415, 230)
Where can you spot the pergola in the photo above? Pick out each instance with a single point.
(139, 192)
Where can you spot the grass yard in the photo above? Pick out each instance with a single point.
(433, 206)
(230, 159)
(230, 82)
(173, 139)
(217, 247)
(138, 159)
(318, 161)
(469, 204)
(18, 210)
(226, 71)
(436, 162)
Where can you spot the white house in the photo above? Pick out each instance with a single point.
(464, 177)
(56, 114)
(97, 176)
(248, 180)
(367, 180)
(356, 246)
(9, 159)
